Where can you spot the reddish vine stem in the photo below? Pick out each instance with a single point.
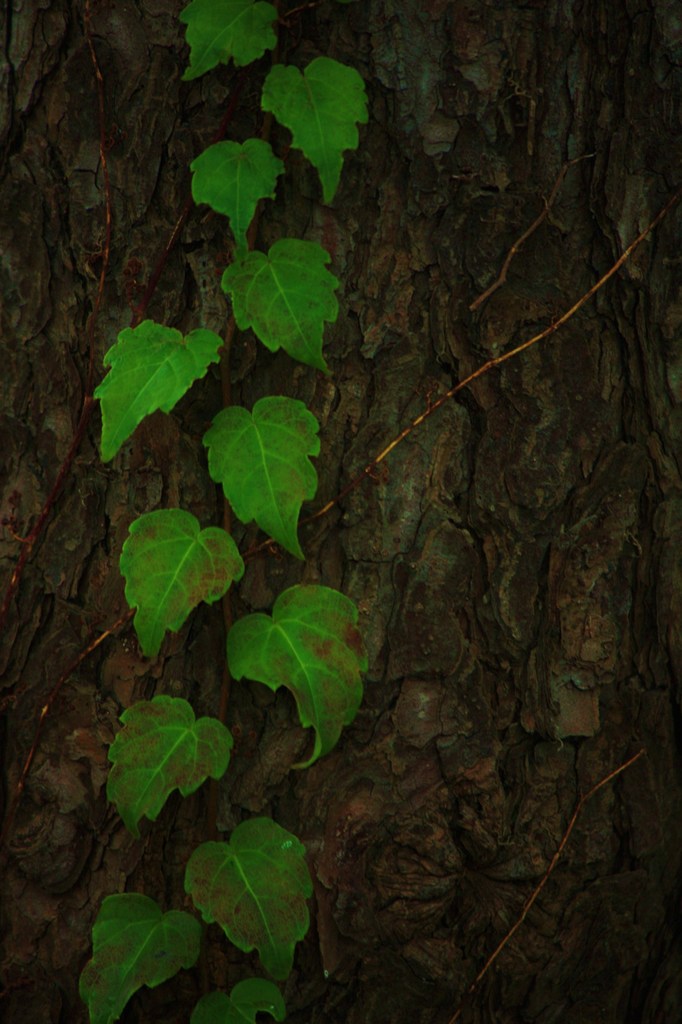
(543, 881)
(370, 468)
(88, 403)
(226, 602)
(141, 308)
(44, 712)
(502, 276)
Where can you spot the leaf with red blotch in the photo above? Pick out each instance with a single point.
(170, 564)
(312, 646)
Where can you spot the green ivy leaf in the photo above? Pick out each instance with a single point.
(261, 461)
(161, 748)
(286, 297)
(170, 564)
(134, 944)
(312, 646)
(220, 30)
(232, 178)
(255, 887)
(247, 998)
(320, 108)
(152, 367)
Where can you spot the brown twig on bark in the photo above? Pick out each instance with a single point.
(502, 276)
(483, 369)
(543, 881)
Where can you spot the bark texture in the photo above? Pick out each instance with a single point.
(517, 562)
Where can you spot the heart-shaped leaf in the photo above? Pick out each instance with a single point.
(170, 564)
(151, 367)
(220, 30)
(320, 108)
(134, 944)
(247, 998)
(286, 297)
(232, 178)
(312, 646)
(261, 460)
(161, 748)
(255, 887)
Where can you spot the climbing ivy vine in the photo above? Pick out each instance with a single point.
(255, 885)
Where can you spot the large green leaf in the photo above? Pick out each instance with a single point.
(161, 748)
(232, 178)
(261, 460)
(320, 108)
(312, 646)
(247, 998)
(255, 887)
(220, 30)
(151, 367)
(134, 944)
(170, 564)
(286, 297)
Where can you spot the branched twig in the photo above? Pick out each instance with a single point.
(497, 361)
(502, 276)
(543, 881)
(88, 402)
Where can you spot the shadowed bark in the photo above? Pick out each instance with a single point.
(516, 561)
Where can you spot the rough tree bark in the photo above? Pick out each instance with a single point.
(517, 564)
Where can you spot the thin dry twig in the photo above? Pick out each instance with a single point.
(502, 276)
(543, 881)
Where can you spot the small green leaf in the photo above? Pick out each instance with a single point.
(232, 178)
(152, 367)
(320, 108)
(247, 998)
(134, 944)
(261, 460)
(312, 646)
(255, 887)
(170, 564)
(220, 30)
(286, 297)
(161, 748)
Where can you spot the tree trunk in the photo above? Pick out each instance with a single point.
(516, 559)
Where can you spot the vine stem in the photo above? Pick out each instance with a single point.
(141, 308)
(44, 712)
(29, 541)
(543, 881)
(370, 468)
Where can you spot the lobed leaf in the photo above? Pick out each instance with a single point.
(247, 998)
(261, 461)
(170, 564)
(233, 178)
(320, 108)
(134, 944)
(151, 367)
(222, 30)
(161, 748)
(286, 297)
(255, 888)
(312, 646)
